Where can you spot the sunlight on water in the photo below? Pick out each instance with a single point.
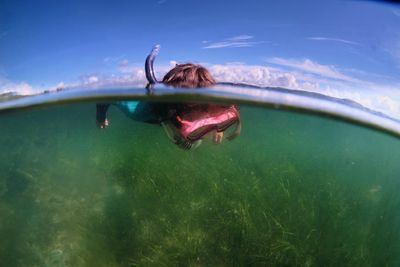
(291, 190)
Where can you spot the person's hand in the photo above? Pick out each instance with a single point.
(217, 138)
(103, 124)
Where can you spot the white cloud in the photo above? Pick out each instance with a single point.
(333, 40)
(240, 38)
(236, 41)
(23, 88)
(123, 63)
(93, 79)
(235, 63)
(126, 75)
(265, 76)
(387, 103)
(255, 75)
(111, 60)
(172, 63)
(60, 85)
(132, 78)
(309, 66)
(396, 12)
(386, 99)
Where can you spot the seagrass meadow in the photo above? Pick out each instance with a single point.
(292, 190)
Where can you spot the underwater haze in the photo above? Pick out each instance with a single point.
(292, 190)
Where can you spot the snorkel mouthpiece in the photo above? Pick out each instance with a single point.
(151, 78)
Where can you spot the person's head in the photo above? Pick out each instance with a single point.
(188, 76)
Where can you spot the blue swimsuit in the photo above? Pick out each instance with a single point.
(138, 111)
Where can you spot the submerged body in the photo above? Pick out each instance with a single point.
(184, 124)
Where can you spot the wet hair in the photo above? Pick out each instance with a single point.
(188, 76)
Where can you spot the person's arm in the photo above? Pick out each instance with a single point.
(101, 115)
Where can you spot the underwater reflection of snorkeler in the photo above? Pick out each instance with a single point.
(186, 124)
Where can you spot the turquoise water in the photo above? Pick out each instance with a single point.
(291, 190)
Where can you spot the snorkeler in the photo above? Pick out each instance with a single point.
(186, 124)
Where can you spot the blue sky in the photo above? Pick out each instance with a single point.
(340, 48)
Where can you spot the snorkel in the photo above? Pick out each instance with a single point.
(149, 68)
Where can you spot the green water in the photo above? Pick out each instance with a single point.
(291, 190)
